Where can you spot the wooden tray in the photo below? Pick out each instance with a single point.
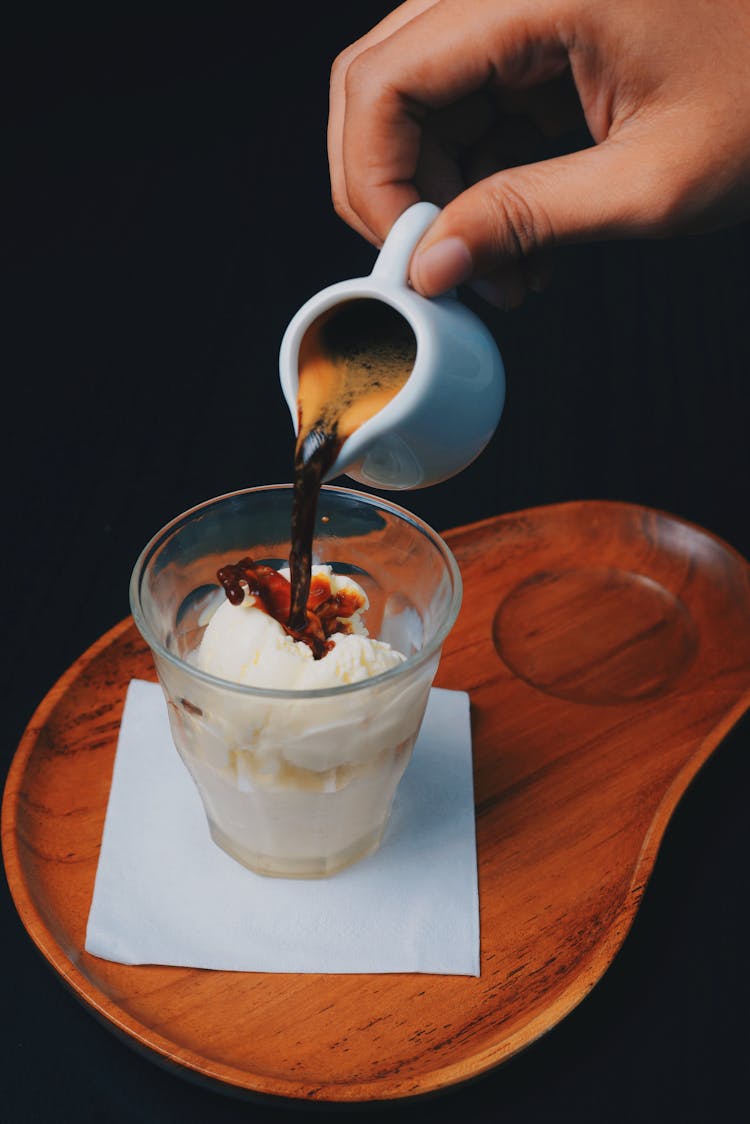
(606, 649)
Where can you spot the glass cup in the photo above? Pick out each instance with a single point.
(297, 784)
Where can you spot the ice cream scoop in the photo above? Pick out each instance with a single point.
(245, 644)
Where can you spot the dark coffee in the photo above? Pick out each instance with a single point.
(352, 361)
(327, 612)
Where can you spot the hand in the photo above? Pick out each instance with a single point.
(426, 105)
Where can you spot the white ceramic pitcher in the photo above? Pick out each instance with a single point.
(449, 407)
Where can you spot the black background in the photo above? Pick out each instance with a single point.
(169, 211)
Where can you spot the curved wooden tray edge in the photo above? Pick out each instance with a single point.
(194, 1067)
(605, 505)
(191, 1067)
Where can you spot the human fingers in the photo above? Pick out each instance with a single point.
(665, 91)
(337, 107)
(447, 166)
(474, 139)
(443, 55)
(667, 156)
(609, 190)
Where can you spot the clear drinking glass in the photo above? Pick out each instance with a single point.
(297, 783)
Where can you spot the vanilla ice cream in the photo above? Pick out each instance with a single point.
(297, 785)
(245, 644)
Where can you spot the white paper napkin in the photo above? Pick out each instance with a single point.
(166, 894)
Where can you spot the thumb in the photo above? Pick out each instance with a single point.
(599, 192)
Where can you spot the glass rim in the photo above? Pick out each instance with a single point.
(410, 663)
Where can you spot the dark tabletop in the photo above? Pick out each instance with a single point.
(169, 213)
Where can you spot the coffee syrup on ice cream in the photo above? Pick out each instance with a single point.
(326, 612)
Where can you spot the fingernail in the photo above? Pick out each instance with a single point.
(441, 266)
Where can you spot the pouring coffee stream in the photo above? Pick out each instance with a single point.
(397, 391)
(353, 360)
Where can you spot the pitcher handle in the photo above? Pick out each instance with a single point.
(392, 265)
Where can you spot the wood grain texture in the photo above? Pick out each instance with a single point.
(606, 650)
